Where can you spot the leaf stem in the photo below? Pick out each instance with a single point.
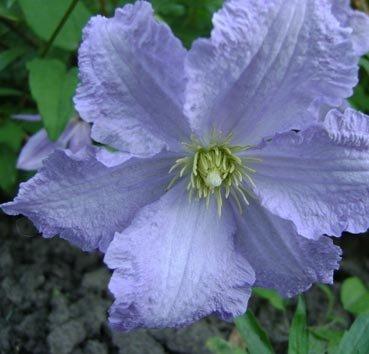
(59, 28)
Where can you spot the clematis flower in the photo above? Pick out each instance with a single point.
(222, 194)
(75, 137)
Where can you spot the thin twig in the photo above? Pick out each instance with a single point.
(59, 27)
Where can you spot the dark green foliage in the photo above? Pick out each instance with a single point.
(272, 297)
(256, 340)
(189, 19)
(356, 340)
(332, 336)
(355, 296)
(53, 87)
(360, 98)
(44, 16)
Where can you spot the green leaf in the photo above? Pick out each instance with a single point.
(355, 296)
(9, 3)
(43, 16)
(4, 91)
(360, 98)
(8, 56)
(364, 63)
(220, 346)
(189, 19)
(330, 297)
(356, 340)
(167, 7)
(29, 127)
(332, 337)
(316, 345)
(8, 171)
(299, 335)
(11, 135)
(53, 88)
(7, 14)
(272, 296)
(256, 339)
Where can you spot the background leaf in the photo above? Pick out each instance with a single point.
(257, 341)
(7, 14)
(355, 296)
(43, 16)
(4, 91)
(316, 345)
(299, 335)
(364, 63)
(272, 297)
(220, 346)
(11, 135)
(8, 56)
(330, 336)
(8, 172)
(189, 19)
(53, 88)
(356, 340)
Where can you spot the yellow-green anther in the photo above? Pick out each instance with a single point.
(183, 171)
(194, 167)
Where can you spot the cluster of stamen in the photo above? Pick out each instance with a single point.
(215, 170)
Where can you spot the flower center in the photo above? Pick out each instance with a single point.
(215, 170)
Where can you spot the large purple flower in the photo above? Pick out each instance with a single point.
(220, 194)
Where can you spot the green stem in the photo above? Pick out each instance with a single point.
(59, 28)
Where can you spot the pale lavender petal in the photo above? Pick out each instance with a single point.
(80, 137)
(66, 136)
(175, 264)
(265, 62)
(75, 137)
(27, 117)
(320, 109)
(37, 148)
(86, 202)
(111, 158)
(282, 259)
(318, 178)
(358, 21)
(132, 81)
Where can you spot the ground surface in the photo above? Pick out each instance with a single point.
(53, 299)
